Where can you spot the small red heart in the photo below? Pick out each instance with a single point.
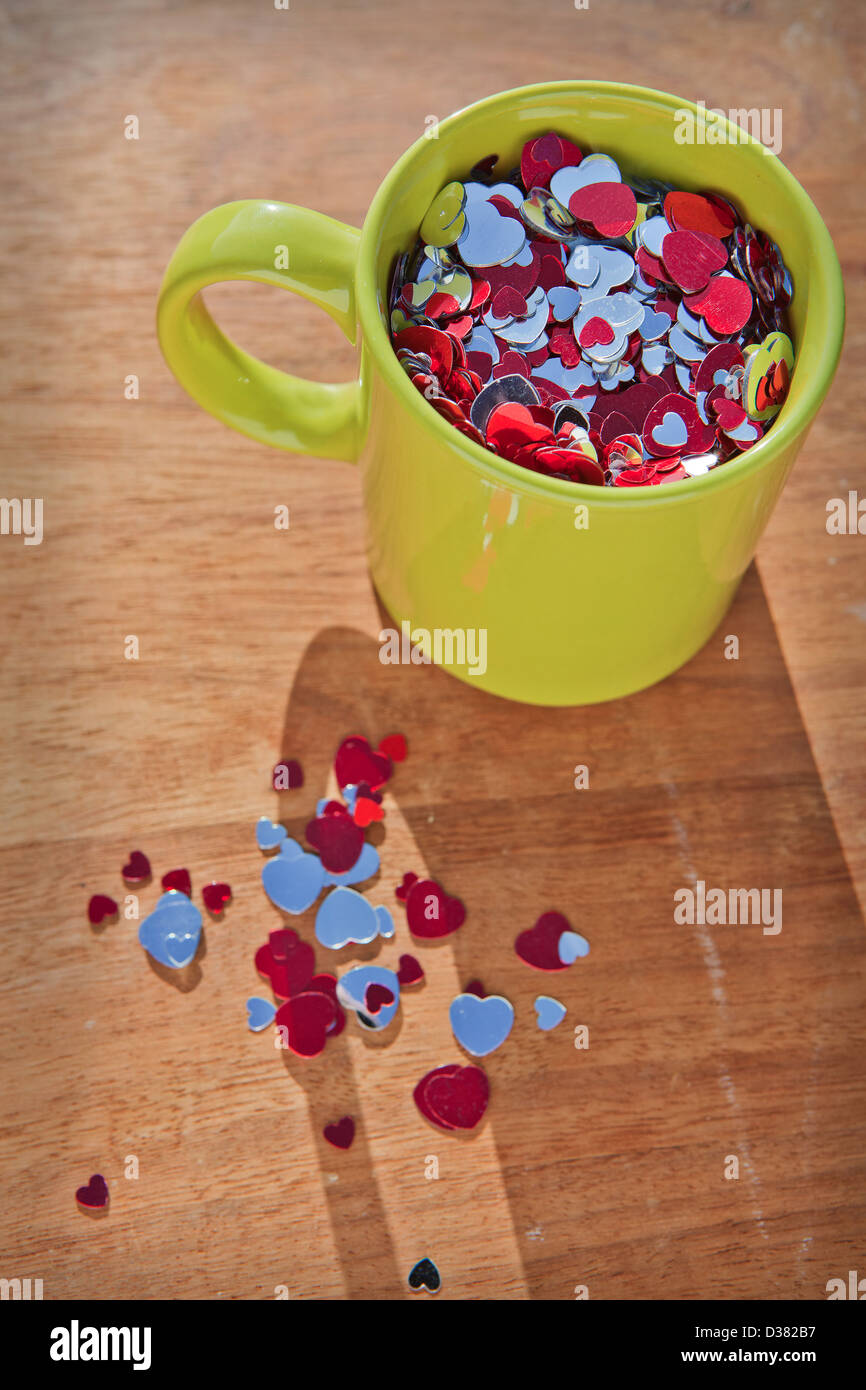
(288, 776)
(179, 880)
(430, 912)
(307, 1018)
(366, 811)
(458, 1100)
(419, 1092)
(215, 896)
(100, 907)
(476, 987)
(337, 838)
(512, 364)
(410, 971)
(94, 1195)
(609, 208)
(355, 761)
(403, 889)
(341, 1134)
(394, 745)
(730, 414)
(137, 870)
(375, 996)
(596, 331)
(508, 303)
(538, 946)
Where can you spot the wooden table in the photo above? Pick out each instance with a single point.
(601, 1168)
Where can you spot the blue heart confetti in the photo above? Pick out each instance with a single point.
(549, 1012)
(481, 1025)
(171, 933)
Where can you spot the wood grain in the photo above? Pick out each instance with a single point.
(602, 1167)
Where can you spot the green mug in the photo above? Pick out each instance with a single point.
(533, 588)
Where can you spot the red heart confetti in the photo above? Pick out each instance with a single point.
(430, 912)
(403, 889)
(307, 1018)
(609, 208)
(355, 761)
(94, 1195)
(457, 1100)
(137, 869)
(101, 908)
(337, 838)
(725, 305)
(690, 258)
(476, 987)
(410, 971)
(287, 962)
(178, 880)
(538, 947)
(288, 776)
(394, 746)
(594, 331)
(366, 812)
(375, 996)
(215, 896)
(340, 1134)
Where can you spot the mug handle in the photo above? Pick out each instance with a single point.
(249, 240)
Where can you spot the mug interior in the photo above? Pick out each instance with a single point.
(636, 126)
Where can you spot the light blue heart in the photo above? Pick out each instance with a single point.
(571, 946)
(345, 917)
(549, 1012)
(260, 1012)
(366, 865)
(268, 833)
(481, 1025)
(292, 879)
(352, 989)
(172, 931)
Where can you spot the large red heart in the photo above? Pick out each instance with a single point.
(695, 213)
(609, 208)
(137, 870)
(457, 1100)
(94, 1195)
(100, 907)
(355, 761)
(538, 946)
(307, 1018)
(690, 258)
(340, 1134)
(337, 838)
(725, 305)
(430, 912)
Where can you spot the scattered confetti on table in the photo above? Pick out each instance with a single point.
(593, 327)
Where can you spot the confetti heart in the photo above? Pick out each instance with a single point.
(670, 431)
(137, 869)
(94, 1195)
(178, 879)
(171, 933)
(292, 879)
(418, 1094)
(366, 811)
(410, 971)
(340, 1134)
(481, 1025)
(459, 1100)
(725, 305)
(307, 1019)
(539, 947)
(269, 835)
(376, 997)
(287, 962)
(260, 1013)
(403, 889)
(424, 1275)
(596, 330)
(345, 918)
(692, 212)
(443, 221)
(366, 867)
(355, 761)
(488, 238)
(508, 303)
(572, 946)
(215, 896)
(394, 746)
(609, 208)
(287, 776)
(430, 912)
(477, 988)
(338, 839)
(549, 1012)
(101, 908)
(690, 258)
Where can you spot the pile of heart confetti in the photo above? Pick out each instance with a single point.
(172, 932)
(608, 332)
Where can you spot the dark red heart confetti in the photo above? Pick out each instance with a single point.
(356, 761)
(341, 1133)
(338, 839)
(178, 880)
(94, 1195)
(539, 946)
(375, 997)
(137, 868)
(403, 889)
(609, 208)
(307, 1019)
(101, 908)
(430, 912)
(690, 258)
(288, 776)
(456, 1100)
(215, 896)
(476, 987)
(410, 971)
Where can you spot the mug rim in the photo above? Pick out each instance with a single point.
(821, 341)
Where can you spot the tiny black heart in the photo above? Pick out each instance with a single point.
(425, 1275)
